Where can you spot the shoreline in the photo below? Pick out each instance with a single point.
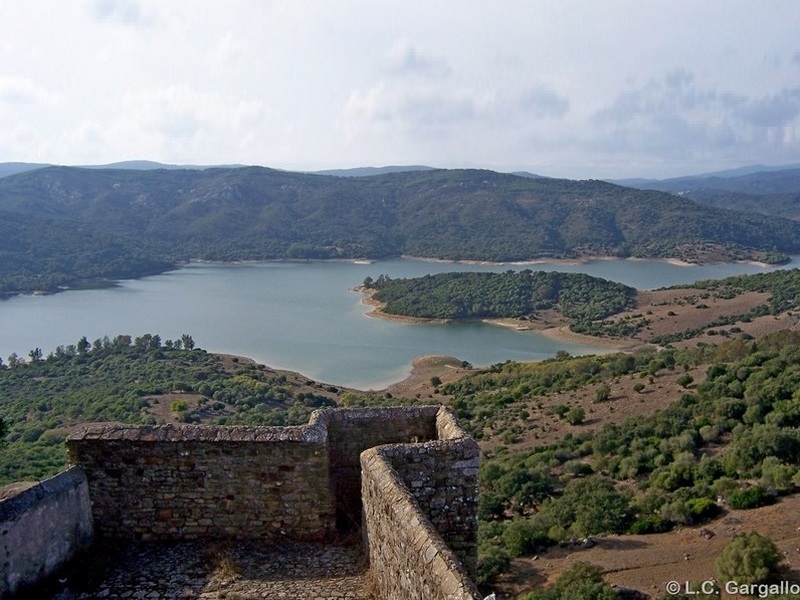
(559, 333)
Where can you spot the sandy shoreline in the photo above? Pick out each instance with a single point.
(559, 333)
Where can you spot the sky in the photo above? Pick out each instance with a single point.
(563, 88)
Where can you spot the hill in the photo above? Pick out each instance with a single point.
(64, 226)
(769, 191)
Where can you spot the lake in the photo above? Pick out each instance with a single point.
(304, 316)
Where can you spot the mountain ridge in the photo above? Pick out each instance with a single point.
(68, 224)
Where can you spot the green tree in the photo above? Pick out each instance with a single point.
(83, 345)
(187, 341)
(583, 581)
(749, 558)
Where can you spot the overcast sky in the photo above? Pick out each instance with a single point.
(583, 88)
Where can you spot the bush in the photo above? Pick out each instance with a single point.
(702, 509)
(602, 394)
(652, 524)
(582, 581)
(751, 497)
(575, 415)
(748, 559)
(522, 537)
(492, 560)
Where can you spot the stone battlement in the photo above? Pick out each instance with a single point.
(408, 474)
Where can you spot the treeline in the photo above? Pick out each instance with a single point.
(519, 295)
(649, 473)
(63, 226)
(137, 381)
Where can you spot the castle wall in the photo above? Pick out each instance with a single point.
(41, 527)
(408, 558)
(420, 513)
(191, 482)
(410, 473)
(350, 432)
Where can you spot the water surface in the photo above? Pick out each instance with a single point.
(304, 316)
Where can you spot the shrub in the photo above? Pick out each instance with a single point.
(522, 537)
(583, 581)
(652, 524)
(750, 497)
(575, 415)
(702, 509)
(602, 394)
(492, 560)
(748, 559)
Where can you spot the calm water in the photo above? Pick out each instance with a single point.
(303, 316)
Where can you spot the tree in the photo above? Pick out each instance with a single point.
(583, 581)
(35, 354)
(83, 345)
(187, 341)
(748, 559)
(3, 431)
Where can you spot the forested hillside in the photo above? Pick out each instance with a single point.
(501, 295)
(65, 226)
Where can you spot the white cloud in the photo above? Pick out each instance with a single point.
(125, 12)
(406, 60)
(23, 92)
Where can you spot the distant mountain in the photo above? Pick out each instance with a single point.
(65, 225)
(370, 171)
(693, 180)
(11, 168)
(149, 165)
(772, 191)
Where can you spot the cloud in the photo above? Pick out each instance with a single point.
(227, 52)
(777, 110)
(23, 92)
(544, 103)
(415, 109)
(124, 12)
(405, 60)
(675, 117)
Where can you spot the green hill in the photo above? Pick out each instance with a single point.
(64, 226)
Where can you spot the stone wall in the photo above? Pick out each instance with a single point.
(191, 482)
(350, 432)
(414, 469)
(420, 514)
(41, 527)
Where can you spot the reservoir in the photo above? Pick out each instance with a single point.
(304, 316)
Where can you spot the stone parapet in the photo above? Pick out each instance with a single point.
(42, 526)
